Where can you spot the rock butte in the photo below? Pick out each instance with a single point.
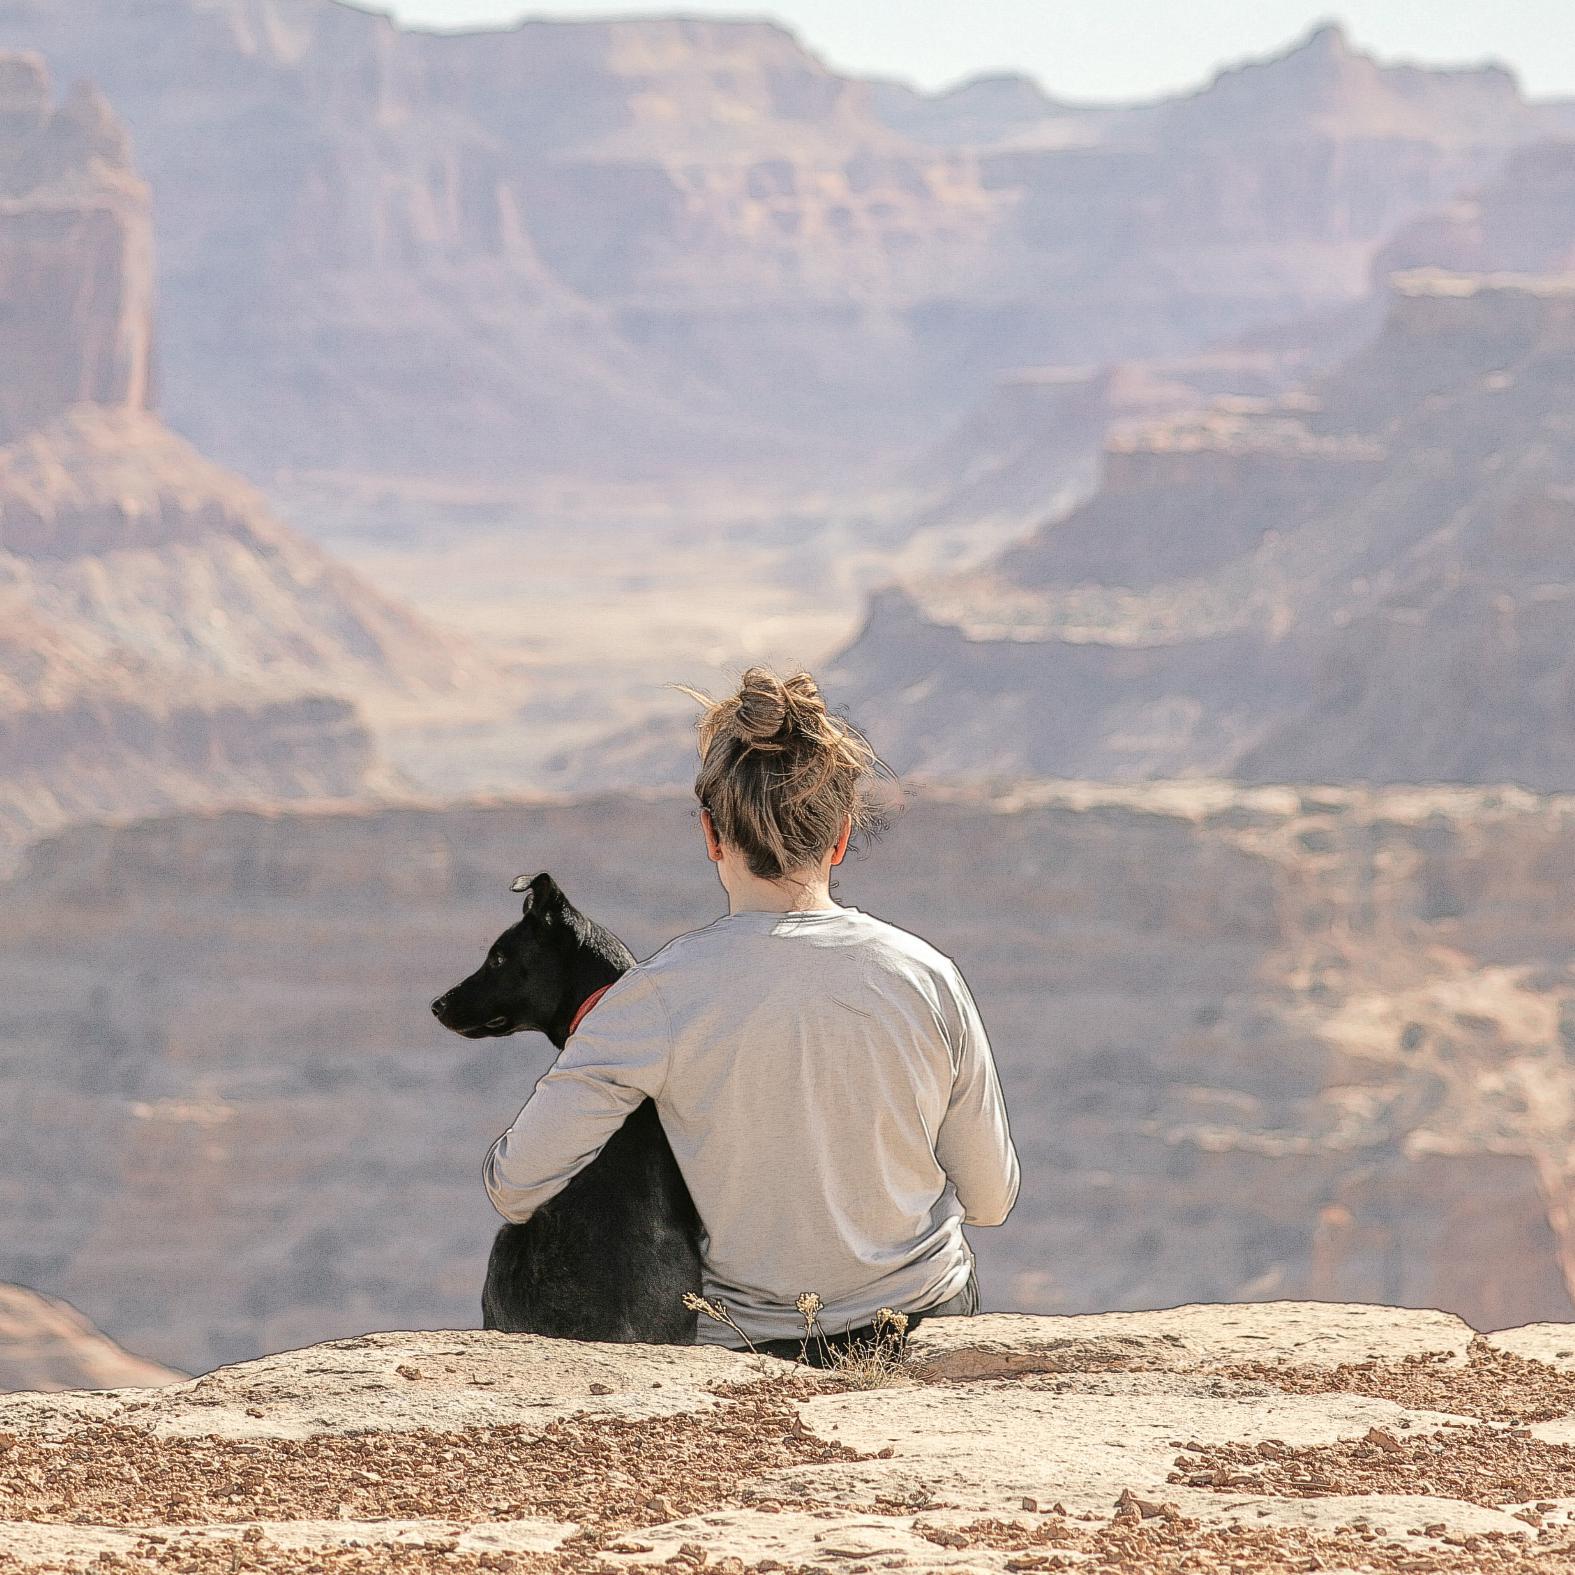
(1279, 1436)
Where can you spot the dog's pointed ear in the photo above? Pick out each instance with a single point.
(541, 892)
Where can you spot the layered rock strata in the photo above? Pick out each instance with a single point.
(1256, 1043)
(1361, 582)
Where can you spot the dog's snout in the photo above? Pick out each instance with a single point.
(438, 1005)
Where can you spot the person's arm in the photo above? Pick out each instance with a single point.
(617, 1058)
(974, 1144)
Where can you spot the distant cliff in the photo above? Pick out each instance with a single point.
(1364, 581)
(628, 246)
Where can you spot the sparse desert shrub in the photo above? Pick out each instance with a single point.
(877, 1363)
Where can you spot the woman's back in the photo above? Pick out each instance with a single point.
(824, 1072)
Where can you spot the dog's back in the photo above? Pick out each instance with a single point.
(611, 1256)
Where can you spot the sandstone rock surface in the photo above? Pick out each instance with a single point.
(1267, 1438)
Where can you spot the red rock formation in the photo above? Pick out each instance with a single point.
(163, 640)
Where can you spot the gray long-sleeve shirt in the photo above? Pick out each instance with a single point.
(829, 1093)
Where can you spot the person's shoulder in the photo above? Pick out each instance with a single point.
(681, 950)
(642, 983)
(903, 947)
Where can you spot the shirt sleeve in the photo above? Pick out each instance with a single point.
(974, 1144)
(617, 1058)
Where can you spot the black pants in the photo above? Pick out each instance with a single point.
(820, 1348)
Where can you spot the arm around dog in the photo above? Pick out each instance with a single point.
(617, 1058)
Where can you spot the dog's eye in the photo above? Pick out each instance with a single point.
(495, 962)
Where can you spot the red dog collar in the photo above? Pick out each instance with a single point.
(586, 1005)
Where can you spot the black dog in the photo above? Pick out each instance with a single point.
(611, 1256)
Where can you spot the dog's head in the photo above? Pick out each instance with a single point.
(530, 972)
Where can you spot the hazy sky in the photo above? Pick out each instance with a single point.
(1103, 48)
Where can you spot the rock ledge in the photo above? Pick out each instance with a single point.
(1264, 1437)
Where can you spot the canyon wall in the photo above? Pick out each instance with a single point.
(1364, 581)
(644, 246)
(1256, 1043)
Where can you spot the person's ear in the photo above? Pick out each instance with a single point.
(839, 852)
(713, 843)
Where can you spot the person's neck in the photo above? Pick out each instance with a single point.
(766, 896)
